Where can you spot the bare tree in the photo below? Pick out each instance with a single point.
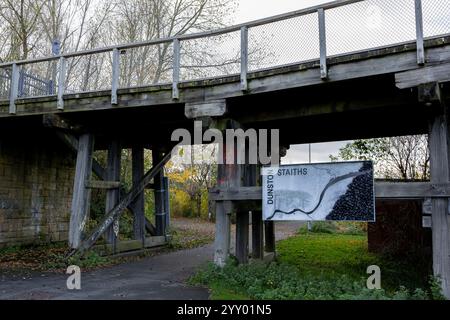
(405, 157)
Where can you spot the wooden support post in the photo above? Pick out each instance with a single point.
(439, 169)
(138, 203)
(419, 32)
(242, 236)
(115, 75)
(222, 238)
(14, 88)
(257, 235)
(81, 194)
(61, 83)
(323, 45)
(113, 195)
(159, 195)
(176, 69)
(269, 236)
(228, 176)
(167, 201)
(244, 58)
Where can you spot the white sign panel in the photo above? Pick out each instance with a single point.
(314, 192)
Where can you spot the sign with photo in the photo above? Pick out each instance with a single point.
(338, 191)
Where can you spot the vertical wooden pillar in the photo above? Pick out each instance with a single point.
(166, 202)
(228, 176)
(257, 235)
(242, 236)
(439, 169)
(222, 238)
(269, 236)
(81, 194)
(113, 195)
(159, 195)
(138, 204)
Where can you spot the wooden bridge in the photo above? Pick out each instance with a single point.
(400, 88)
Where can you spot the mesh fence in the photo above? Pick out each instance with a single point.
(284, 42)
(210, 57)
(89, 73)
(5, 80)
(369, 24)
(146, 65)
(436, 17)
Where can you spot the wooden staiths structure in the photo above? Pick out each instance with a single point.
(398, 88)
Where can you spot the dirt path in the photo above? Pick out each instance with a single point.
(158, 277)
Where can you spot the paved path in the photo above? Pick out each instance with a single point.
(158, 277)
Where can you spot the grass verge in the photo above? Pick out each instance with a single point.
(319, 267)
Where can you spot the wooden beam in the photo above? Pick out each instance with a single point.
(101, 184)
(409, 79)
(160, 213)
(214, 108)
(113, 195)
(269, 236)
(129, 245)
(138, 204)
(124, 203)
(242, 219)
(81, 194)
(440, 174)
(257, 235)
(383, 190)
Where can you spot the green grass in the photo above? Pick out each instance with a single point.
(319, 266)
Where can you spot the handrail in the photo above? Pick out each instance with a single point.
(191, 36)
(176, 40)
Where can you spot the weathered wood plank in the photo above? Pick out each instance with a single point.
(383, 190)
(129, 245)
(413, 78)
(242, 240)
(323, 45)
(101, 184)
(214, 108)
(257, 235)
(160, 214)
(81, 194)
(269, 236)
(138, 204)
(113, 195)
(244, 58)
(440, 174)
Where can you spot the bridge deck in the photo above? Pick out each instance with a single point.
(380, 61)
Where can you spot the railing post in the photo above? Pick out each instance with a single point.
(244, 58)
(61, 83)
(176, 69)
(115, 75)
(323, 45)
(14, 88)
(419, 33)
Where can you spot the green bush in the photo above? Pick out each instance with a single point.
(285, 282)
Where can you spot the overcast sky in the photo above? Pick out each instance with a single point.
(257, 9)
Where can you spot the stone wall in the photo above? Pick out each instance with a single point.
(36, 182)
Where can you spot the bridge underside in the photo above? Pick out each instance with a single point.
(373, 94)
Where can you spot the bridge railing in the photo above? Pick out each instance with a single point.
(312, 34)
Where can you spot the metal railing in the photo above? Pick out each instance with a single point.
(314, 33)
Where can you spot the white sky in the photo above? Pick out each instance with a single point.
(257, 9)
